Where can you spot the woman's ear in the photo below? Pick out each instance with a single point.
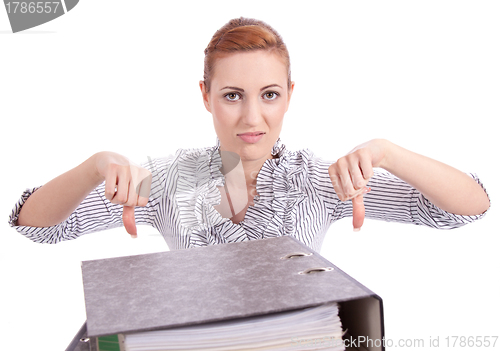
(290, 91)
(205, 95)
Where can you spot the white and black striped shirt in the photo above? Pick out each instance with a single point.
(295, 197)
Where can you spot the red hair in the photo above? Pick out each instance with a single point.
(240, 35)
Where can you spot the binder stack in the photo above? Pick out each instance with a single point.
(191, 291)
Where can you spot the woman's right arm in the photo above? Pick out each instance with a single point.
(126, 184)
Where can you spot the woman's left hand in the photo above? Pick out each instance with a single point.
(351, 173)
(436, 181)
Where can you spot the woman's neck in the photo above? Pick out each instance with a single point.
(234, 168)
(240, 187)
(251, 169)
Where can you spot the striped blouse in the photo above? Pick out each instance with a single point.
(295, 197)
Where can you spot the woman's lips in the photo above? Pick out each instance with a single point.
(251, 137)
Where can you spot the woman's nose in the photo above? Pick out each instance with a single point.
(252, 113)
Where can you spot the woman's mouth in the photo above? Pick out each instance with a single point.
(251, 137)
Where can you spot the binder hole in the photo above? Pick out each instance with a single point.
(84, 339)
(295, 254)
(317, 270)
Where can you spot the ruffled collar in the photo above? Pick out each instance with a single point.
(281, 185)
(277, 151)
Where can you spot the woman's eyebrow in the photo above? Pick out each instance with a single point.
(233, 88)
(270, 86)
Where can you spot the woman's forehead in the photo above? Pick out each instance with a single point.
(248, 68)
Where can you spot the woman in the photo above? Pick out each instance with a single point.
(248, 186)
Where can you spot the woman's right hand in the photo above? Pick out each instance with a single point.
(126, 184)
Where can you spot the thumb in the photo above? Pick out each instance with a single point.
(358, 212)
(129, 220)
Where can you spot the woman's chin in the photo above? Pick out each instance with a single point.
(260, 150)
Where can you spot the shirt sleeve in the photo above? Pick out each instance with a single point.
(392, 199)
(96, 213)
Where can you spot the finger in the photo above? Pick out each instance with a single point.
(358, 212)
(357, 179)
(366, 168)
(110, 186)
(132, 198)
(336, 182)
(347, 189)
(122, 188)
(128, 217)
(141, 180)
(143, 190)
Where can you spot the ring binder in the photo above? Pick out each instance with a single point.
(125, 295)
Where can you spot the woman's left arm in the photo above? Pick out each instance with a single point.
(446, 187)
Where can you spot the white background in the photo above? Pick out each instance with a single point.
(123, 76)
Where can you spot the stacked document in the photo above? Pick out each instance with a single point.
(316, 328)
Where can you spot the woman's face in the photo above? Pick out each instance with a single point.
(248, 99)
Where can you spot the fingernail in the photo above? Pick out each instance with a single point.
(356, 229)
(366, 190)
(133, 236)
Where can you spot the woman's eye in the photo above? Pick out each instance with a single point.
(232, 96)
(271, 95)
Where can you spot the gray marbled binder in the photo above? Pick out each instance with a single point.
(221, 282)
